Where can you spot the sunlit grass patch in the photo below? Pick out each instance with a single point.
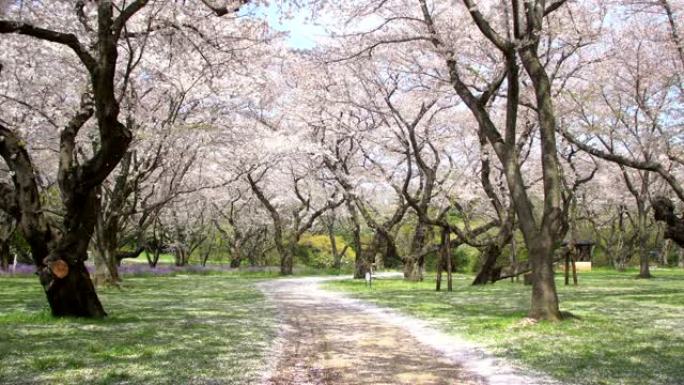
(630, 332)
(185, 329)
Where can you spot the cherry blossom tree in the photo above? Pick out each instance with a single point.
(632, 118)
(98, 36)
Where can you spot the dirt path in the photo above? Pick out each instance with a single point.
(328, 338)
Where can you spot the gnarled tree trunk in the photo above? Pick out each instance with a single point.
(5, 255)
(414, 264)
(488, 272)
(664, 211)
(72, 295)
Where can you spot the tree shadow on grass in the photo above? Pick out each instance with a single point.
(161, 330)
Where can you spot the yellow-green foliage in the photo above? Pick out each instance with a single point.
(467, 259)
(316, 250)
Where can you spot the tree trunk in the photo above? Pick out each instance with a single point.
(449, 265)
(287, 253)
(665, 257)
(438, 279)
(664, 211)
(152, 261)
(287, 263)
(644, 270)
(444, 262)
(365, 257)
(544, 304)
(514, 258)
(360, 265)
(106, 264)
(488, 272)
(413, 269)
(337, 258)
(5, 256)
(73, 295)
(415, 261)
(180, 255)
(106, 269)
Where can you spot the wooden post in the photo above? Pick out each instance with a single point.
(438, 280)
(567, 267)
(448, 261)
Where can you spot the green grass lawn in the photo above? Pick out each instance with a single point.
(631, 332)
(182, 329)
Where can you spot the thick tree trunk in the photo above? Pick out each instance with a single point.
(665, 253)
(544, 304)
(664, 211)
(415, 262)
(287, 253)
(106, 264)
(360, 265)
(287, 263)
(7, 228)
(106, 269)
(5, 256)
(488, 273)
(413, 269)
(180, 255)
(73, 295)
(644, 270)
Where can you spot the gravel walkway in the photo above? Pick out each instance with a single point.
(330, 338)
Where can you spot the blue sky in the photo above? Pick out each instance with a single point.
(303, 33)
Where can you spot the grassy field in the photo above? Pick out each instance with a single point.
(631, 332)
(180, 329)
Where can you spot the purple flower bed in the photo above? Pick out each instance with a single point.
(166, 269)
(19, 270)
(131, 269)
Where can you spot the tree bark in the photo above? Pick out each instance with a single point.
(414, 264)
(488, 273)
(364, 257)
(664, 212)
(235, 258)
(539, 237)
(337, 258)
(287, 260)
(106, 272)
(73, 295)
(106, 265)
(544, 304)
(413, 269)
(644, 257)
(5, 255)
(444, 262)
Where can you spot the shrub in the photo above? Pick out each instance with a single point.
(316, 251)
